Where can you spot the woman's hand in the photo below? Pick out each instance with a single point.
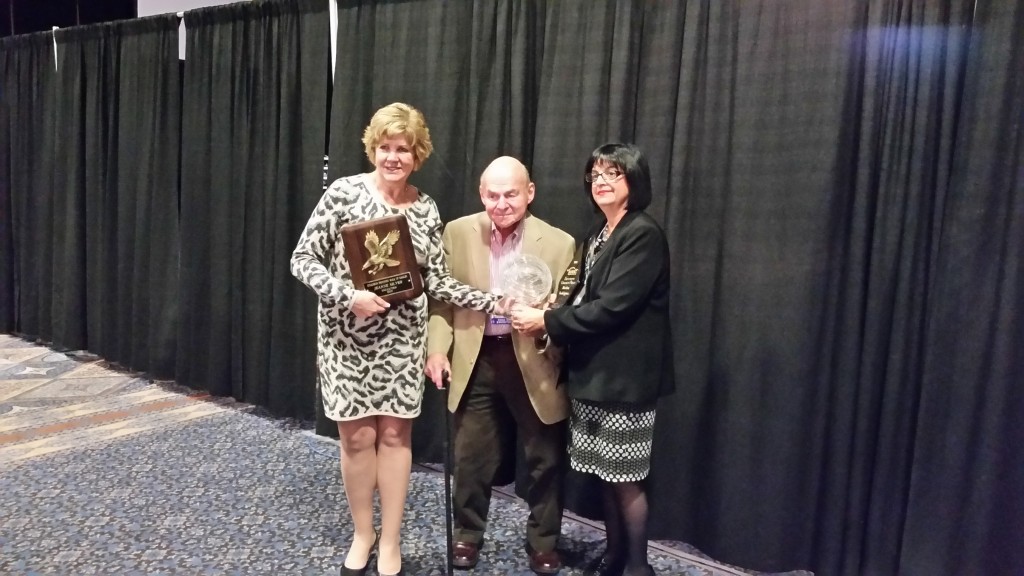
(366, 304)
(528, 320)
(504, 306)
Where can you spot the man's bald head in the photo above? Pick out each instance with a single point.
(506, 192)
(505, 168)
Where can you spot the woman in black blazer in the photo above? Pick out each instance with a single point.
(618, 362)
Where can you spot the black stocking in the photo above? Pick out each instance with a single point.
(612, 524)
(632, 509)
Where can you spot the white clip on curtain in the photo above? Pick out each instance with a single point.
(54, 33)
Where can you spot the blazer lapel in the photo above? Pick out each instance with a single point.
(614, 238)
(532, 237)
(481, 254)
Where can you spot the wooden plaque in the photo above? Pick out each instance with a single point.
(381, 258)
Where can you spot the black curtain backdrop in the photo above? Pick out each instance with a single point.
(255, 89)
(92, 173)
(29, 124)
(807, 156)
(6, 216)
(116, 245)
(965, 508)
(15, 125)
(811, 146)
(148, 150)
(469, 66)
(842, 185)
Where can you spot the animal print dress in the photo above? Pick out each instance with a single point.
(373, 366)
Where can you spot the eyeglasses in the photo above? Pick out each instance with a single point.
(610, 175)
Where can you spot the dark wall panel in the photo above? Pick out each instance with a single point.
(24, 16)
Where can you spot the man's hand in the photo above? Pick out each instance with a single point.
(437, 367)
(366, 304)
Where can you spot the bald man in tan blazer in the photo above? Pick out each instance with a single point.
(501, 384)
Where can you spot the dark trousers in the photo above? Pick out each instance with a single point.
(494, 406)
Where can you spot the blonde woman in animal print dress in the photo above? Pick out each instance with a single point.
(371, 355)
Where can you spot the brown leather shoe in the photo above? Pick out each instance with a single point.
(465, 555)
(545, 562)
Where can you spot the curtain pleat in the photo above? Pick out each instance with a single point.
(965, 508)
(30, 80)
(253, 141)
(115, 241)
(147, 147)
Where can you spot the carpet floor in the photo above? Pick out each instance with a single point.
(104, 472)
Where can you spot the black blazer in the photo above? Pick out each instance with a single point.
(617, 341)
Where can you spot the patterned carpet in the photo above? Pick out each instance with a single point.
(102, 472)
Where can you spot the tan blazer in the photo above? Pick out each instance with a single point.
(467, 245)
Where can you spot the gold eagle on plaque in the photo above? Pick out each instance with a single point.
(380, 251)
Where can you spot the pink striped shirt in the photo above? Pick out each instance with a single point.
(501, 253)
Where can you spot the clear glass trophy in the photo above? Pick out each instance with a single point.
(527, 279)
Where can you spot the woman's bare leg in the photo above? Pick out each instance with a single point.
(358, 441)
(394, 464)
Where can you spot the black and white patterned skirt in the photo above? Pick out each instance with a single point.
(611, 439)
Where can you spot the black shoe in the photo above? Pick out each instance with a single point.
(605, 566)
(647, 570)
(346, 571)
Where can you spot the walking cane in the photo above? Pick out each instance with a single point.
(448, 457)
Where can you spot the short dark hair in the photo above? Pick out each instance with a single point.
(628, 158)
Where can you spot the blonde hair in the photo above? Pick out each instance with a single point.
(399, 119)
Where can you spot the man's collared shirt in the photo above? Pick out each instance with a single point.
(502, 253)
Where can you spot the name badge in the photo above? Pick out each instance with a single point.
(500, 321)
